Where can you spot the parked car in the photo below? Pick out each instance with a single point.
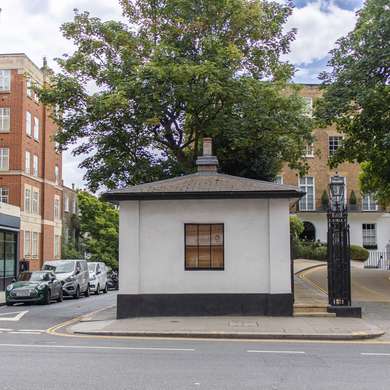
(113, 280)
(36, 286)
(73, 275)
(97, 277)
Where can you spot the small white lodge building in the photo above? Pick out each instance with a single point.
(204, 244)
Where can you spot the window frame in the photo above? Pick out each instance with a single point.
(2, 157)
(5, 112)
(27, 199)
(27, 162)
(305, 197)
(27, 253)
(35, 170)
(369, 246)
(4, 193)
(35, 201)
(36, 129)
(28, 124)
(34, 245)
(5, 87)
(340, 139)
(57, 208)
(370, 203)
(186, 268)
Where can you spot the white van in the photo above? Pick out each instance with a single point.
(97, 277)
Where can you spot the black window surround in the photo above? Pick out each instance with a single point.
(210, 268)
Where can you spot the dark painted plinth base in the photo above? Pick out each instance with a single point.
(346, 311)
(151, 305)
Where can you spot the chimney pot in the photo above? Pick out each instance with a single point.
(207, 162)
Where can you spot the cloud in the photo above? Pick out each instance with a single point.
(318, 30)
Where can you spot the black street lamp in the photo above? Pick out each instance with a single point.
(339, 252)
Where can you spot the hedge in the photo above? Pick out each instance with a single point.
(359, 253)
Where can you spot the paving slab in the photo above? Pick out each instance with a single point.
(231, 327)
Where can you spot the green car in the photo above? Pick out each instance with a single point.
(34, 287)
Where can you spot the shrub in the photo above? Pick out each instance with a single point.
(359, 253)
(324, 199)
(310, 250)
(352, 198)
(296, 227)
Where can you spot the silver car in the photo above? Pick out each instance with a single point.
(97, 277)
(73, 275)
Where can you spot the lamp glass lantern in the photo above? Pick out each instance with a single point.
(337, 189)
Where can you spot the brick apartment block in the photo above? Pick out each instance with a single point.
(30, 166)
(369, 223)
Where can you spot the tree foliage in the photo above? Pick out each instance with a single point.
(357, 97)
(177, 71)
(99, 227)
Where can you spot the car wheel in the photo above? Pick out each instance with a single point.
(77, 293)
(60, 296)
(47, 298)
(97, 292)
(105, 291)
(86, 294)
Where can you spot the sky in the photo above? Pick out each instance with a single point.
(32, 27)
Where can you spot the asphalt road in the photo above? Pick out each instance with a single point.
(33, 359)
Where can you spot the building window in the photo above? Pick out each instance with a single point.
(278, 179)
(204, 246)
(369, 236)
(66, 235)
(309, 150)
(36, 128)
(334, 144)
(369, 203)
(35, 201)
(306, 184)
(57, 246)
(27, 244)
(35, 165)
(5, 114)
(27, 162)
(29, 87)
(4, 193)
(4, 159)
(27, 200)
(66, 203)
(308, 105)
(74, 206)
(28, 123)
(56, 208)
(5, 80)
(34, 249)
(56, 174)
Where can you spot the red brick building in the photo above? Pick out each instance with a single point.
(30, 166)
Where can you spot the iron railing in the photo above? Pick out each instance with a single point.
(378, 260)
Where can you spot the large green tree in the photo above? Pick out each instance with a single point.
(176, 71)
(357, 97)
(99, 227)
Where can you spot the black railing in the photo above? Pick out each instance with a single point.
(378, 259)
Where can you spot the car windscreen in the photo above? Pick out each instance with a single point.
(91, 267)
(33, 276)
(60, 267)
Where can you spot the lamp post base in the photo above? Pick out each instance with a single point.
(346, 311)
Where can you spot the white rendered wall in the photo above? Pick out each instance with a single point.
(257, 246)
(356, 220)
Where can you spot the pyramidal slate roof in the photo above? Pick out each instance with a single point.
(204, 185)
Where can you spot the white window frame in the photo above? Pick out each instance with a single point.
(5, 80)
(29, 87)
(4, 194)
(27, 162)
(34, 244)
(27, 199)
(5, 119)
(57, 208)
(66, 203)
(35, 201)
(309, 150)
(74, 205)
(369, 236)
(57, 244)
(27, 244)
(56, 174)
(35, 165)
(36, 128)
(28, 123)
(278, 179)
(332, 151)
(4, 159)
(309, 105)
(303, 202)
(369, 203)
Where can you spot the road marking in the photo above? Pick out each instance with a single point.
(100, 347)
(31, 330)
(17, 332)
(17, 317)
(5, 330)
(374, 354)
(275, 351)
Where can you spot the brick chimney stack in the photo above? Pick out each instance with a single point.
(207, 163)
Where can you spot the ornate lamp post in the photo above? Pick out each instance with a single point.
(339, 256)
